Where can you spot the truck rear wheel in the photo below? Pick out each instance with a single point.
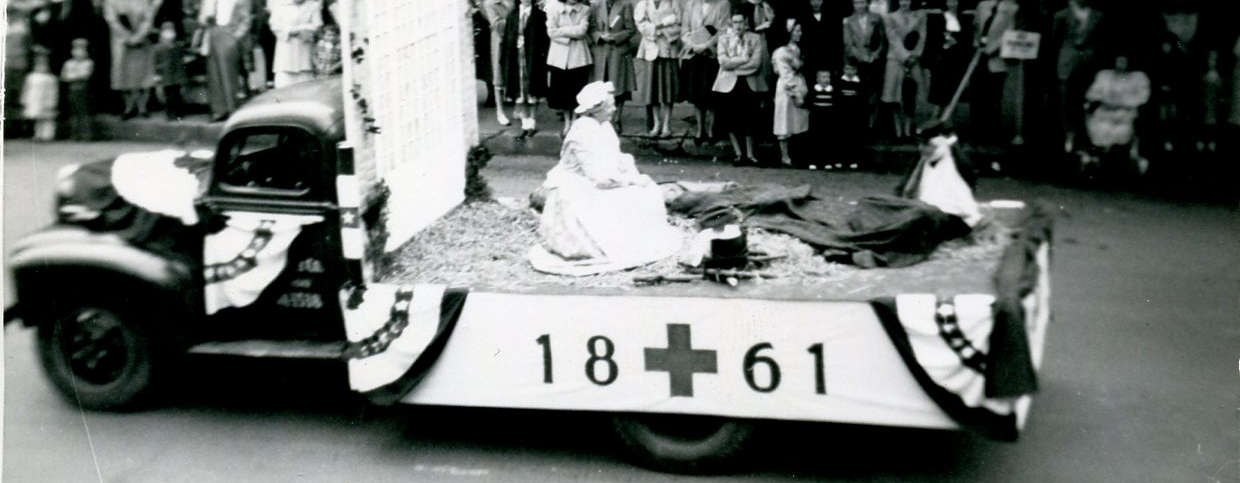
(98, 355)
(680, 443)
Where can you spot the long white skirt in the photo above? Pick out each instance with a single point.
(585, 230)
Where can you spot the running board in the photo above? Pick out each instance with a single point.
(293, 349)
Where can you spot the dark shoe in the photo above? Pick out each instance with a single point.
(128, 115)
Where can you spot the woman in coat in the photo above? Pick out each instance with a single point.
(497, 12)
(701, 22)
(226, 39)
(523, 66)
(568, 57)
(133, 56)
(906, 37)
(612, 30)
(656, 64)
(740, 84)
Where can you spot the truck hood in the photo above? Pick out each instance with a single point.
(162, 182)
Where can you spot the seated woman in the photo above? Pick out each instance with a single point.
(600, 214)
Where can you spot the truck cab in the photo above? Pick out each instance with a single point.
(113, 287)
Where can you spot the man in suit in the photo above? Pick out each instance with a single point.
(865, 39)
(821, 36)
(225, 42)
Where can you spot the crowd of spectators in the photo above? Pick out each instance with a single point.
(860, 71)
(1109, 77)
(110, 56)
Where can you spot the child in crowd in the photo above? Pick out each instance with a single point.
(821, 104)
(852, 112)
(40, 95)
(170, 71)
(327, 60)
(294, 24)
(76, 74)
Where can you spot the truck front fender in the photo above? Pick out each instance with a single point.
(71, 258)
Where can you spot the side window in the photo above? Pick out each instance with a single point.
(279, 161)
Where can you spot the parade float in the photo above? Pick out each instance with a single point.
(329, 224)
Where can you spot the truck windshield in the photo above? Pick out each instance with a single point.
(275, 161)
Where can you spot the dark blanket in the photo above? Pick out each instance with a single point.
(880, 231)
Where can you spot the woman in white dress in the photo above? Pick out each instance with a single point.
(790, 90)
(294, 23)
(600, 214)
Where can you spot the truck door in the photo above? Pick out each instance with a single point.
(274, 270)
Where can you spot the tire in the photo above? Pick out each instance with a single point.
(99, 355)
(678, 443)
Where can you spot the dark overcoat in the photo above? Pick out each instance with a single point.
(536, 44)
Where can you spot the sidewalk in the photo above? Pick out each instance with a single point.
(634, 139)
(197, 129)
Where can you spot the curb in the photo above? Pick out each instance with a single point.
(185, 131)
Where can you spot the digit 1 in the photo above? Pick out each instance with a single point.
(820, 379)
(545, 341)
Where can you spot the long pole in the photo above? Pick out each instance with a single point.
(964, 82)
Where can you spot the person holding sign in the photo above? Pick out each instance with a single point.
(600, 213)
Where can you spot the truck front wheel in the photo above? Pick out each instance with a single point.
(97, 355)
(682, 443)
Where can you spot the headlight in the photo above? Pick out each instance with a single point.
(64, 180)
(66, 210)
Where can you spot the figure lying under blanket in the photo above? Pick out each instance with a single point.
(935, 204)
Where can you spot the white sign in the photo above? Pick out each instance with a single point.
(822, 361)
(1020, 45)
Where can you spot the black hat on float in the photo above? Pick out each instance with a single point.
(933, 129)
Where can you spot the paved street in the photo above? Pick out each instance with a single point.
(1140, 380)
